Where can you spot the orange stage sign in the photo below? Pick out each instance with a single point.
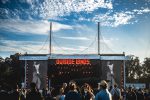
(72, 61)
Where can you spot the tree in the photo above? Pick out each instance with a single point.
(10, 71)
(16, 76)
(5, 70)
(134, 70)
(146, 70)
(129, 70)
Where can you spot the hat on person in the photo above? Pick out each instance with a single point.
(103, 83)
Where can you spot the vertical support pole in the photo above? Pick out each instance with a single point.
(98, 43)
(25, 69)
(98, 38)
(50, 37)
(50, 50)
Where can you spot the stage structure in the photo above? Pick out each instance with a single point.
(53, 70)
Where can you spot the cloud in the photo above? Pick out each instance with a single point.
(4, 1)
(75, 50)
(23, 46)
(39, 48)
(31, 26)
(57, 9)
(107, 45)
(75, 38)
(119, 18)
(32, 47)
(57, 26)
(53, 8)
(145, 10)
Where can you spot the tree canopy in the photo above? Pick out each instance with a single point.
(138, 72)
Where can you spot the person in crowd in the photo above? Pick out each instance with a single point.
(73, 93)
(87, 92)
(16, 94)
(64, 86)
(116, 94)
(44, 92)
(147, 94)
(97, 89)
(55, 91)
(33, 94)
(23, 92)
(48, 95)
(3, 92)
(103, 94)
(123, 93)
(69, 84)
(61, 95)
(140, 94)
(131, 95)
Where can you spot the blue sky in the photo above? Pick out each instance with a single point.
(24, 26)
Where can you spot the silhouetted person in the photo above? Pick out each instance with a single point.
(65, 87)
(147, 95)
(15, 95)
(61, 95)
(97, 89)
(131, 94)
(73, 93)
(116, 94)
(140, 95)
(103, 94)
(3, 92)
(33, 94)
(87, 92)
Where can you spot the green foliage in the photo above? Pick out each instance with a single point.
(10, 70)
(146, 69)
(136, 72)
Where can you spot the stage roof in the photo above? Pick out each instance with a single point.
(73, 56)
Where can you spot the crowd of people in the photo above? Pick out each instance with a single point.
(71, 91)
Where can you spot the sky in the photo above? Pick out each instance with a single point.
(124, 27)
